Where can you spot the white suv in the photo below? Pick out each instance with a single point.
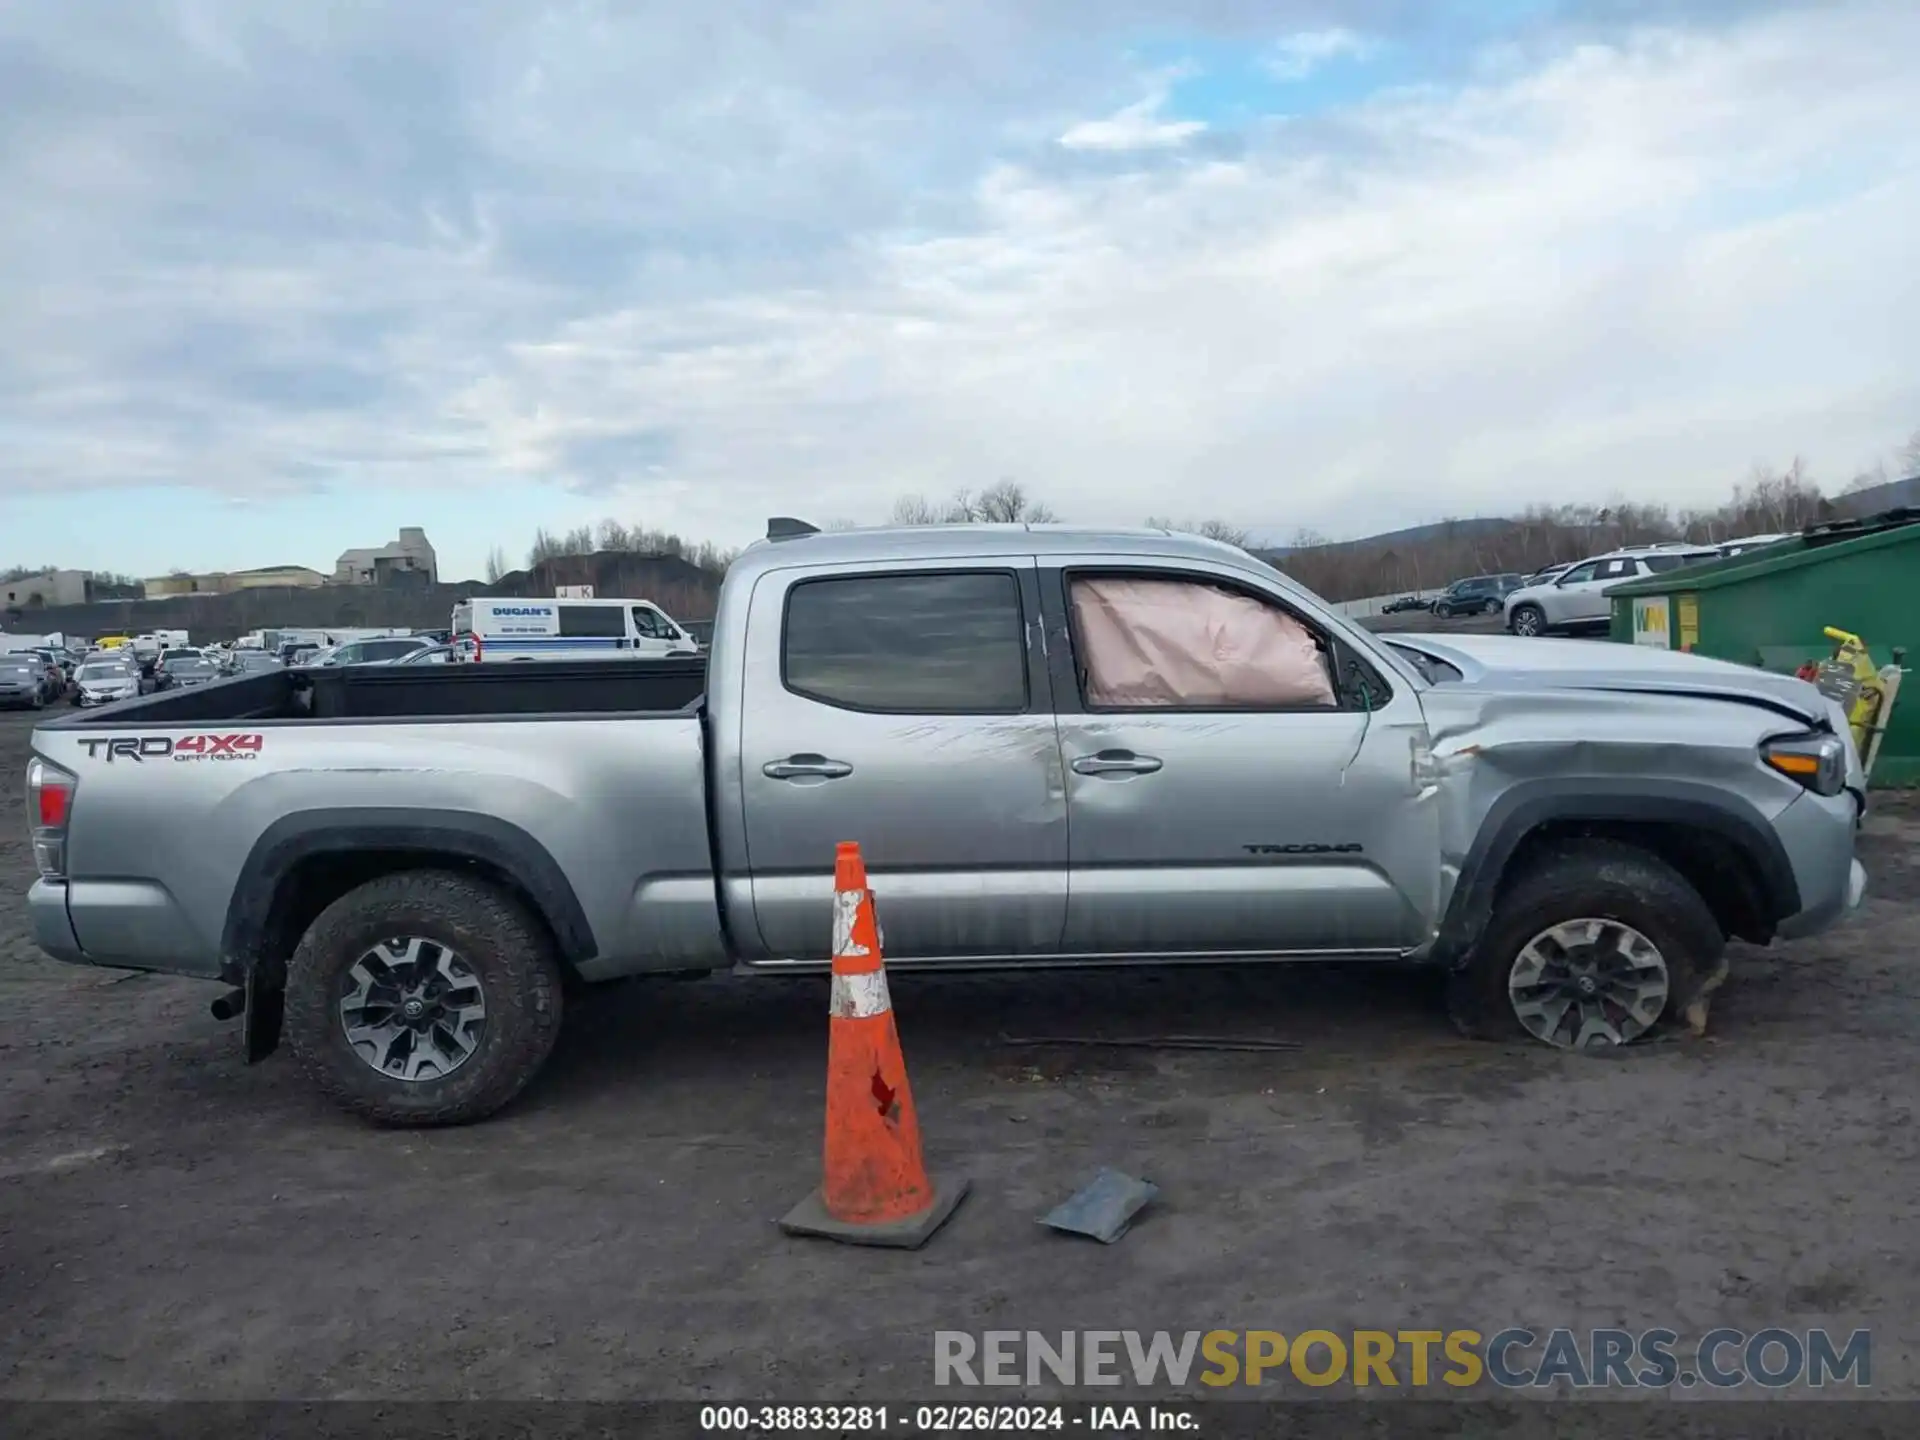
(1577, 598)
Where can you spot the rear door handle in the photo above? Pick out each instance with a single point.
(803, 767)
(1115, 762)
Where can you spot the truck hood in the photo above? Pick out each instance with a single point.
(1510, 662)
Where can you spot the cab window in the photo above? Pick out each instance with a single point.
(652, 624)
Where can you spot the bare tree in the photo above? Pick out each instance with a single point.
(1222, 530)
(496, 564)
(1005, 503)
(917, 510)
(1867, 479)
(1909, 455)
(1008, 503)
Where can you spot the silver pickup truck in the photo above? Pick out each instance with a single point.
(407, 867)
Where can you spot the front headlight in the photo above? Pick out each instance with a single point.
(1816, 761)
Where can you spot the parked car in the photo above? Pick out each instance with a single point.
(371, 652)
(23, 680)
(56, 672)
(1576, 600)
(181, 669)
(1728, 549)
(412, 896)
(430, 655)
(1476, 595)
(103, 680)
(300, 653)
(250, 662)
(1404, 604)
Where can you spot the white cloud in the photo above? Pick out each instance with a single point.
(1610, 276)
(1633, 268)
(1299, 55)
(1137, 127)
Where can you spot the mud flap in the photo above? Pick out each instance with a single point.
(266, 1008)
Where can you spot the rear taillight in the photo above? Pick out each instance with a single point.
(49, 806)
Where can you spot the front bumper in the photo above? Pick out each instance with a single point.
(1818, 833)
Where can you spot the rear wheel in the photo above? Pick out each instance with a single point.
(424, 998)
(1492, 607)
(1529, 620)
(1589, 948)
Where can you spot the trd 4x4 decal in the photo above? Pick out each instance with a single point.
(188, 747)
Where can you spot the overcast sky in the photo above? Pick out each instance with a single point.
(278, 279)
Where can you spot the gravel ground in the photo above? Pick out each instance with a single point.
(175, 1224)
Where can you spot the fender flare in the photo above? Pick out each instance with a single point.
(456, 834)
(1533, 803)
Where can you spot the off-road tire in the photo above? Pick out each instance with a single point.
(1539, 615)
(510, 953)
(1601, 879)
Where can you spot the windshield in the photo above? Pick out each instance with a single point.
(105, 672)
(175, 658)
(192, 666)
(14, 665)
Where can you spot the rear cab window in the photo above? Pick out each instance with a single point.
(922, 643)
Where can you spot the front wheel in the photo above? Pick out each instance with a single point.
(424, 998)
(1492, 607)
(1588, 949)
(1528, 620)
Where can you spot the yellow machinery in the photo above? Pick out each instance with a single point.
(1864, 692)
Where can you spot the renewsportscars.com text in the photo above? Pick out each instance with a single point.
(1509, 1359)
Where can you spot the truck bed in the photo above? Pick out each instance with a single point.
(415, 692)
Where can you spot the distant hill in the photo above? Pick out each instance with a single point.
(1412, 535)
(1870, 501)
(1875, 498)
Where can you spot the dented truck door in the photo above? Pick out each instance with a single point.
(908, 709)
(1256, 827)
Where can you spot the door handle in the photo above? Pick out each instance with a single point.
(1115, 762)
(797, 767)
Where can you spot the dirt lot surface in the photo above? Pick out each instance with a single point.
(174, 1224)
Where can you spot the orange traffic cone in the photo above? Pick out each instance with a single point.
(875, 1189)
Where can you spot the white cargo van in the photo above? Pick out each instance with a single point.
(565, 630)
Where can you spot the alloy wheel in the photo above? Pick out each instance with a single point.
(1588, 984)
(412, 1009)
